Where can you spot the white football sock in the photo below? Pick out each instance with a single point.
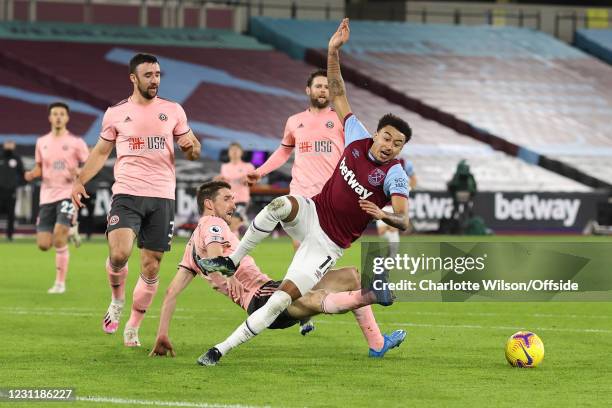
(257, 322)
(393, 238)
(263, 224)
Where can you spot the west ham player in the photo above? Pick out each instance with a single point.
(367, 177)
(143, 128)
(58, 156)
(248, 288)
(390, 234)
(316, 135)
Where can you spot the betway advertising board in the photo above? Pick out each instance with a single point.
(501, 211)
(504, 211)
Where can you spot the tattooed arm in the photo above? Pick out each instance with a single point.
(337, 90)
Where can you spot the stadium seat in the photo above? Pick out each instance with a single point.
(521, 85)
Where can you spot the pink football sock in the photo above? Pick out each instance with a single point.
(369, 327)
(116, 278)
(341, 302)
(62, 256)
(143, 297)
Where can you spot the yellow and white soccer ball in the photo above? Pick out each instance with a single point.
(524, 349)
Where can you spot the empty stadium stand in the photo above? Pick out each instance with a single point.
(519, 90)
(597, 42)
(233, 93)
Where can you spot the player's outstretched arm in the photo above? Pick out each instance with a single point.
(92, 166)
(33, 174)
(190, 145)
(162, 343)
(276, 159)
(337, 90)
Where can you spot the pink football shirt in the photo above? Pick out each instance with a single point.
(214, 229)
(144, 138)
(318, 139)
(59, 157)
(235, 174)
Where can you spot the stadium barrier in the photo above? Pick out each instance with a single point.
(502, 212)
(596, 42)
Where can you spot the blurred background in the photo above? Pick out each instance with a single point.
(509, 101)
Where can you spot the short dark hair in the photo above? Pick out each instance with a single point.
(313, 75)
(209, 191)
(59, 105)
(141, 58)
(236, 144)
(398, 123)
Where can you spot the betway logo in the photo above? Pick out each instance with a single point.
(532, 207)
(425, 207)
(351, 180)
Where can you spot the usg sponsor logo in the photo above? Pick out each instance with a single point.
(351, 180)
(532, 207)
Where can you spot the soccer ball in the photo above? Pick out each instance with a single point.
(524, 349)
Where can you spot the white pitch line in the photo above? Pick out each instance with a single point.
(386, 311)
(129, 401)
(493, 314)
(456, 314)
(75, 314)
(476, 326)
(46, 312)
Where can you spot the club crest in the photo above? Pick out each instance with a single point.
(376, 177)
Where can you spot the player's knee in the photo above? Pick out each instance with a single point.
(44, 246)
(118, 259)
(150, 266)
(59, 242)
(278, 302)
(280, 208)
(354, 278)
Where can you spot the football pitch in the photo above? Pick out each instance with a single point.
(453, 355)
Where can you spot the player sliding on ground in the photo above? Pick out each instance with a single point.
(249, 288)
(367, 177)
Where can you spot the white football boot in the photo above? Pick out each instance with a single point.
(57, 289)
(130, 337)
(110, 323)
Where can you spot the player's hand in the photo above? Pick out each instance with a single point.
(372, 209)
(185, 142)
(28, 176)
(341, 36)
(234, 288)
(78, 192)
(220, 178)
(253, 178)
(162, 347)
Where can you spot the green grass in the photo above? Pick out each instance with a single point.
(453, 356)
